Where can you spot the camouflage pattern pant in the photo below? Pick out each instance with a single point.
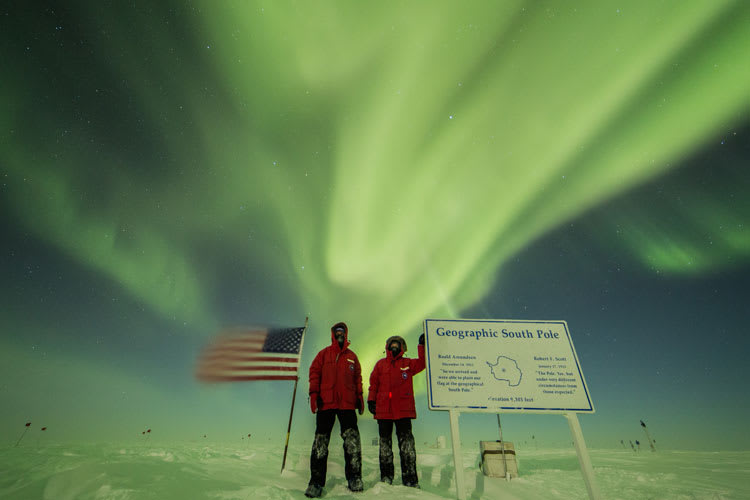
(324, 421)
(406, 448)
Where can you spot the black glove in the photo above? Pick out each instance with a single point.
(360, 405)
(371, 407)
(421, 339)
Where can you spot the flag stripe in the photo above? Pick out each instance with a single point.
(250, 368)
(246, 366)
(232, 350)
(231, 372)
(243, 341)
(248, 378)
(277, 359)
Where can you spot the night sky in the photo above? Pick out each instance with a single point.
(169, 169)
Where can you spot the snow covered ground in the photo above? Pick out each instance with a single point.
(251, 471)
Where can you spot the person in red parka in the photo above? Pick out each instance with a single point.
(336, 391)
(391, 400)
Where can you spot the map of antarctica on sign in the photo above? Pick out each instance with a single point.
(508, 365)
(506, 369)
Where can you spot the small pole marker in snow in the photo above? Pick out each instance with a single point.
(650, 441)
(38, 438)
(28, 424)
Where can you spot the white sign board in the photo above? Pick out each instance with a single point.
(503, 365)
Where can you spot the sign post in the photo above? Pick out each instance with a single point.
(515, 366)
(583, 455)
(458, 462)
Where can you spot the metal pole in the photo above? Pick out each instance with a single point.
(22, 435)
(289, 427)
(458, 462)
(583, 456)
(502, 449)
(294, 396)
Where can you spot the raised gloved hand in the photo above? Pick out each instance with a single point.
(360, 404)
(421, 339)
(371, 407)
(316, 402)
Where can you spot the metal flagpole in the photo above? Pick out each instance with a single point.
(502, 449)
(294, 396)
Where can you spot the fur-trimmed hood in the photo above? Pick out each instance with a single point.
(400, 340)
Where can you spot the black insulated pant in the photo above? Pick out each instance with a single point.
(407, 451)
(352, 446)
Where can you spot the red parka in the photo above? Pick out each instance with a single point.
(335, 375)
(391, 383)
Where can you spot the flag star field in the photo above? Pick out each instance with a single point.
(172, 169)
(283, 340)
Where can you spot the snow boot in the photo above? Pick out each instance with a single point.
(313, 490)
(355, 484)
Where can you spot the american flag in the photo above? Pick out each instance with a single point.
(252, 354)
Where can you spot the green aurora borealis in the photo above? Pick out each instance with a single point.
(221, 163)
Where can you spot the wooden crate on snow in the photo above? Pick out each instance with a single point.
(496, 457)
